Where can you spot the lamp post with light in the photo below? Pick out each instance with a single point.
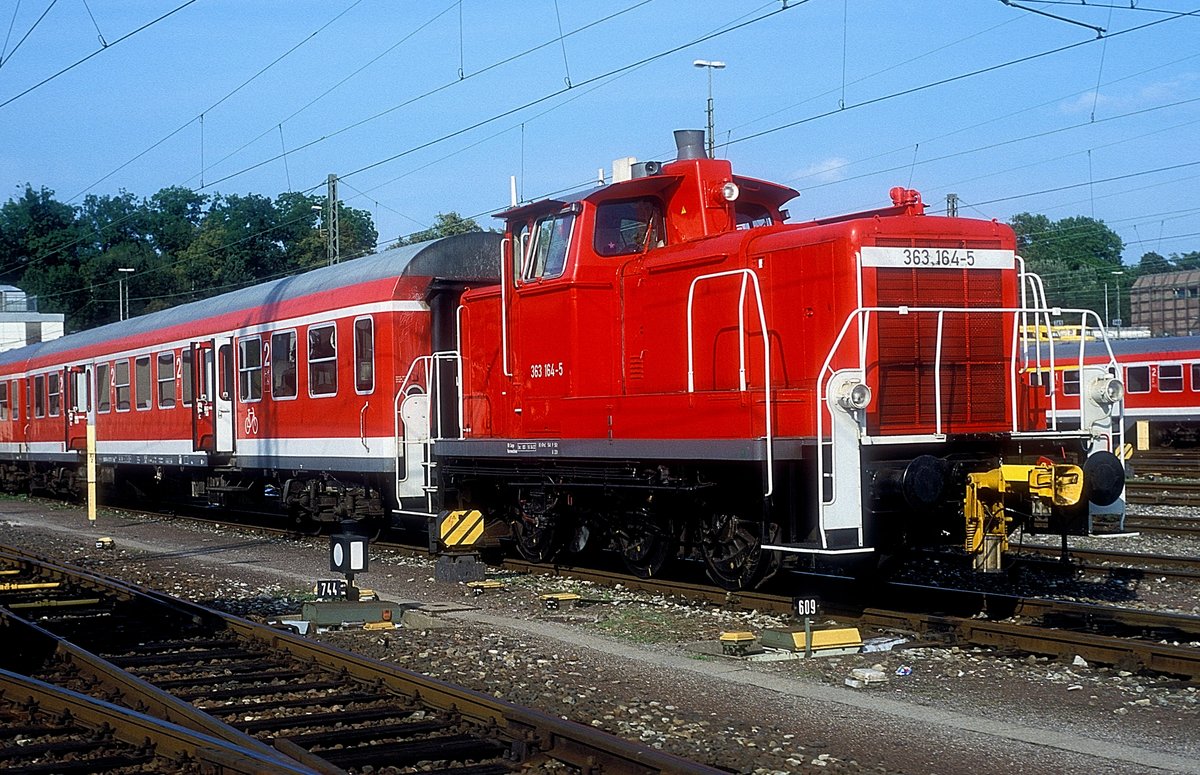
(122, 294)
(1116, 273)
(710, 66)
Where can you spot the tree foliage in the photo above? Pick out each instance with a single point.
(1078, 259)
(447, 225)
(182, 245)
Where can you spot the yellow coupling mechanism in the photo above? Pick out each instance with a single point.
(1041, 485)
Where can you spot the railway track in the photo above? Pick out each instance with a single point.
(286, 700)
(49, 729)
(1102, 561)
(1183, 463)
(1163, 493)
(1129, 638)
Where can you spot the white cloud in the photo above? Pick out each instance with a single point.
(829, 170)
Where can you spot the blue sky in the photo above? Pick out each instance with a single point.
(1012, 110)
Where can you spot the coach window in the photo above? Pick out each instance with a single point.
(141, 378)
(322, 360)
(103, 388)
(165, 374)
(250, 369)
(1170, 378)
(3, 400)
(39, 395)
(1137, 379)
(364, 355)
(283, 365)
(1195, 380)
(547, 256)
(54, 394)
(623, 228)
(185, 376)
(1071, 382)
(15, 396)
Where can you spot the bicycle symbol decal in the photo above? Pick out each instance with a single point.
(251, 422)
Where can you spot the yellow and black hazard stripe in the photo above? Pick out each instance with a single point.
(460, 529)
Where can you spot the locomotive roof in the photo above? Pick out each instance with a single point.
(471, 257)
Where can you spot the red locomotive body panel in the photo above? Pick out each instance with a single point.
(601, 351)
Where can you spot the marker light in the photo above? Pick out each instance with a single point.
(854, 396)
(1107, 390)
(730, 191)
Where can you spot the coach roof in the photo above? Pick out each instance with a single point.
(473, 257)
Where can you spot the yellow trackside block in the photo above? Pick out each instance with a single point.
(10, 572)
(29, 586)
(737, 643)
(793, 640)
(1042, 485)
(479, 587)
(379, 626)
(461, 528)
(554, 599)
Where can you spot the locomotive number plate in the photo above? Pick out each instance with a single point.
(938, 258)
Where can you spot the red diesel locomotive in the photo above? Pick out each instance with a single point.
(661, 366)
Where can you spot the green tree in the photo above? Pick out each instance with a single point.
(1186, 260)
(1153, 263)
(447, 225)
(1078, 258)
(40, 242)
(305, 243)
(239, 243)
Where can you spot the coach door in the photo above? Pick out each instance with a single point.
(212, 386)
(78, 399)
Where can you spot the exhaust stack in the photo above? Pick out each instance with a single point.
(689, 144)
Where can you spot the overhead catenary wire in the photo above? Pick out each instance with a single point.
(200, 116)
(79, 62)
(24, 37)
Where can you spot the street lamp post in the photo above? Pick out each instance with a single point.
(710, 66)
(122, 293)
(1117, 321)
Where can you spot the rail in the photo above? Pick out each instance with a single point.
(747, 276)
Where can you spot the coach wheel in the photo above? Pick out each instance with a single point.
(733, 553)
(646, 545)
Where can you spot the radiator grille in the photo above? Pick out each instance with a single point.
(974, 359)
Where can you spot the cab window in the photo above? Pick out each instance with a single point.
(751, 216)
(623, 228)
(547, 256)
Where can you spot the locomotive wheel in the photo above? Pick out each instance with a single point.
(733, 554)
(646, 546)
(537, 540)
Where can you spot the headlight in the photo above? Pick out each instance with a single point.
(730, 191)
(854, 396)
(1107, 390)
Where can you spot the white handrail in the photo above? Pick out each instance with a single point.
(769, 439)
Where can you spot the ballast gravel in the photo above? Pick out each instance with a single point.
(628, 662)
